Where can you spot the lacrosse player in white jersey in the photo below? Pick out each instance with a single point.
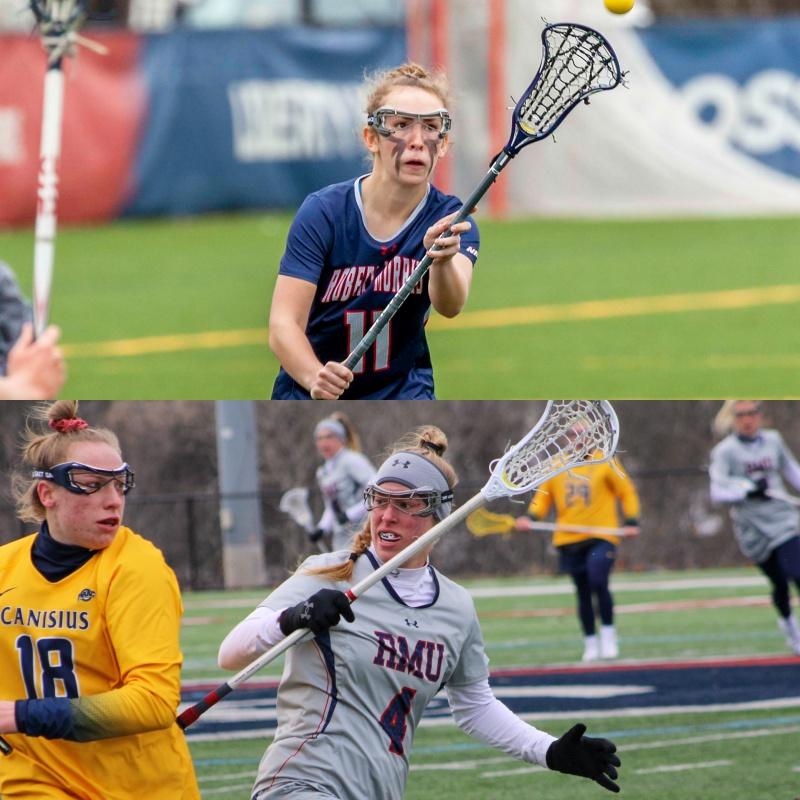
(350, 698)
(341, 479)
(746, 467)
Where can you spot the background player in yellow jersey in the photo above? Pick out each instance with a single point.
(592, 496)
(89, 624)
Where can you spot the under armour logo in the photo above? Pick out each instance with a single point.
(412, 623)
(399, 463)
(86, 595)
(308, 607)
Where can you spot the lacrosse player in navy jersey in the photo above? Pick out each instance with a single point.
(341, 479)
(352, 245)
(351, 697)
(745, 467)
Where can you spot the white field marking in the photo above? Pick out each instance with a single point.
(622, 586)
(225, 789)
(651, 711)
(621, 307)
(682, 767)
(547, 590)
(635, 608)
(216, 778)
(612, 713)
(582, 691)
(529, 768)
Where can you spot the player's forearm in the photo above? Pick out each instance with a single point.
(292, 348)
(481, 715)
(448, 287)
(121, 712)
(250, 638)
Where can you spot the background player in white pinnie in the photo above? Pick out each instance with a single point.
(342, 479)
(745, 467)
(351, 697)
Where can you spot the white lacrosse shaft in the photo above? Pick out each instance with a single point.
(47, 197)
(545, 451)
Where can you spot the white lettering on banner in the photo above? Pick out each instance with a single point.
(294, 119)
(12, 150)
(760, 117)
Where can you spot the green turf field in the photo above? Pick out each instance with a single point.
(679, 309)
(714, 755)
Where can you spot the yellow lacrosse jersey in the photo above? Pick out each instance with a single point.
(587, 495)
(106, 637)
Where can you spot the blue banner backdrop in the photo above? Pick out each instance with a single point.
(253, 118)
(741, 78)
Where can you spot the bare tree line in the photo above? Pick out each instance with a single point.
(172, 446)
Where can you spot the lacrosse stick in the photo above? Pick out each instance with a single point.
(5, 747)
(58, 21)
(576, 62)
(546, 450)
(484, 523)
(294, 502)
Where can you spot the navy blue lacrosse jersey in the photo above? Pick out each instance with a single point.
(356, 276)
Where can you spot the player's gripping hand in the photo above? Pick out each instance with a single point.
(321, 611)
(588, 757)
(330, 381)
(759, 490)
(315, 535)
(447, 237)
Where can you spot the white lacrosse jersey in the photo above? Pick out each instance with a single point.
(342, 480)
(350, 700)
(759, 525)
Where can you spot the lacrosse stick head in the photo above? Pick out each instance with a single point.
(570, 433)
(576, 62)
(59, 21)
(294, 502)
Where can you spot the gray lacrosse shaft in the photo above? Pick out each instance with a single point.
(416, 276)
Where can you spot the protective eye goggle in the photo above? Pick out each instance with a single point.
(86, 479)
(415, 503)
(392, 122)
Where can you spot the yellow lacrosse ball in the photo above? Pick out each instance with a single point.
(619, 6)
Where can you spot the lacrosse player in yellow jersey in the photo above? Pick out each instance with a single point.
(589, 496)
(89, 626)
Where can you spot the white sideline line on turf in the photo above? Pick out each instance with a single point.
(226, 789)
(622, 586)
(755, 705)
(682, 767)
(544, 591)
(216, 778)
(478, 763)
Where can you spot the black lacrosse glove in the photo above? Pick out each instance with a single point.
(759, 491)
(341, 517)
(588, 757)
(321, 611)
(315, 535)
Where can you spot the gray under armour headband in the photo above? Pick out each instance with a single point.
(333, 426)
(419, 474)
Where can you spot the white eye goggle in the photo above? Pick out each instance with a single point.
(393, 122)
(415, 503)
